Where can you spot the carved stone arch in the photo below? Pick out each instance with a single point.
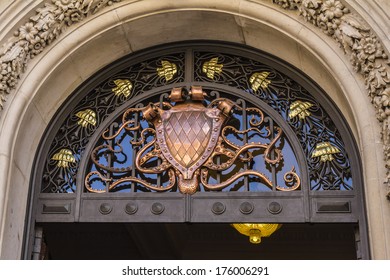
(36, 98)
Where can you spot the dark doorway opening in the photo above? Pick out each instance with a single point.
(117, 241)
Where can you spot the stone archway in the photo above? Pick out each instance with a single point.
(121, 29)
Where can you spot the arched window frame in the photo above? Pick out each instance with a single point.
(318, 206)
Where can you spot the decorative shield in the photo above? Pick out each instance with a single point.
(189, 143)
(188, 134)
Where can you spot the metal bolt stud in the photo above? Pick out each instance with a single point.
(105, 208)
(246, 208)
(157, 208)
(131, 208)
(274, 207)
(218, 208)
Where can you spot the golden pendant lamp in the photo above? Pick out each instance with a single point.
(256, 231)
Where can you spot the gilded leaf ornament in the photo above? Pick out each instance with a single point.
(325, 151)
(86, 117)
(168, 70)
(64, 157)
(123, 87)
(300, 109)
(211, 67)
(258, 80)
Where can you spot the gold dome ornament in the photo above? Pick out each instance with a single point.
(64, 157)
(300, 109)
(256, 231)
(325, 150)
(86, 117)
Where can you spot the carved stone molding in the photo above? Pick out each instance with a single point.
(30, 39)
(365, 51)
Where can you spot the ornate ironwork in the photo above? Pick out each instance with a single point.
(265, 140)
(310, 122)
(189, 142)
(312, 125)
(104, 98)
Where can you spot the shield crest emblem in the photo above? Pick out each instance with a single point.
(187, 135)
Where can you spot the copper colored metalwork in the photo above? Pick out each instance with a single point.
(188, 140)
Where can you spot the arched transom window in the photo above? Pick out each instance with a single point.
(198, 132)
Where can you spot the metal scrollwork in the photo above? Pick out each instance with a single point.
(244, 133)
(184, 143)
(95, 107)
(307, 118)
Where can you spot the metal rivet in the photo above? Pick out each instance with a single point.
(157, 208)
(274, 207)
(218, 208)
(105, 208)
(131, 208)
(246, 208)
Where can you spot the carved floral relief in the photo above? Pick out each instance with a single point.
(43, 28)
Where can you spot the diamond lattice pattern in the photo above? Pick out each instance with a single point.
(189, 136)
